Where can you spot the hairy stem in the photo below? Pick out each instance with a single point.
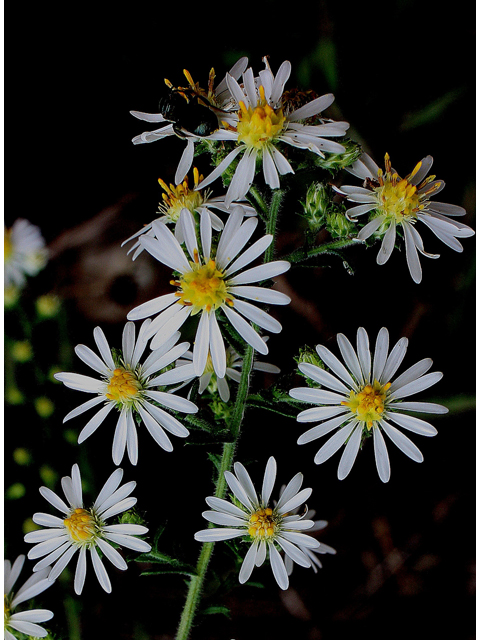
(303, 254)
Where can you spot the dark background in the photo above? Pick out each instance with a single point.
(403, 76)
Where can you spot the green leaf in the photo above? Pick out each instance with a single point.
(216, 609)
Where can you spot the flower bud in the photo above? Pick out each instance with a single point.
(333, 162)
(338, 225)
(316, 204)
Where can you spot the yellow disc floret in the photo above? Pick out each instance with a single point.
(259, 126)
(262, 524)
(368, 404)
(81, 526)
(397, 197)
(180, 197)
(123, 386)
(203, 287)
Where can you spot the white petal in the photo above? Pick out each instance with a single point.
(120, 438)
(167, 421)
(258, 316)
(411, 374)
(294, 552)
(262, 272)
(350, 453)
(172, 401)
(291, 490)
(388, 243)
(246, 482)
(381, 455)
(225, 507)
(322, 377)
(295, 501)
(84, 407)
(246, 330)
(201, 344)
(81, 570)
(394, 360)
(129, 542)
(316, 396)
(269, 479)
(155, 430)
(217, 348)
(402, 442)
(91, 359)
(185, 162)
(248, 563)
(335, 365)
(100, 571)
(380, 355)
(322, 429)
(223, 519)
(412, 424)
(95, 422)
(278, 567)
(333, 444)
(363, 350)
(260, 294)
(54, 500)
(215, 535)
(418, 385)
(112, 554)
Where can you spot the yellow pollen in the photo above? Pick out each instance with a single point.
(203, 287)
(262, 524)
(368, 404)
(80, 526)
(397, 197)
(259, 126)
(180, 197)
(123, 386)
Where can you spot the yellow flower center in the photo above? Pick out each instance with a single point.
(203, 287)
(397, 198)
(7, 246)
(123, 386)
(180, 197)
(258, 127)
(368, 404)
(80, 525)
(262, 524)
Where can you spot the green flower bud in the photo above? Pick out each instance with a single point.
(333, 162)
(130, 517)
(316, 204)
(338, 225)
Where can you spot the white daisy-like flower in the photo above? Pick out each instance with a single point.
(312, 554)
(177, 198)
(85, 530)
(24, 621)
(129, 386)
(364, 398)
(233, 371)
(25, 253)
(398, 203)
(263, 122)
(219, 99)
(210, 279)
(263, 525)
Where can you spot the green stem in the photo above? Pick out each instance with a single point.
(196, 582)
(262, 208)
(300, 255)
(271, 225)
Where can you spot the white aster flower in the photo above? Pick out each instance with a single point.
(85, 530)
(263, 525)
(25, 253)
(210, 279)
(312, 554)
(129, 386)
(398, 203)
(177, 198)
(263, 122)
(219, 98)
(24, 621)
(366, 399)
(233, 371)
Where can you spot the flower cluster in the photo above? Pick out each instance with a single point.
(221, 292)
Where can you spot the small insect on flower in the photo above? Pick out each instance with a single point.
(192, 119)
(85, 530)
(24, 621)
(365, 399)
(189, 112)
(263, 525)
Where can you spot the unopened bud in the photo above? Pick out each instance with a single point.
(333, 162)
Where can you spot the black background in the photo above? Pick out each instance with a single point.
(403, 76)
